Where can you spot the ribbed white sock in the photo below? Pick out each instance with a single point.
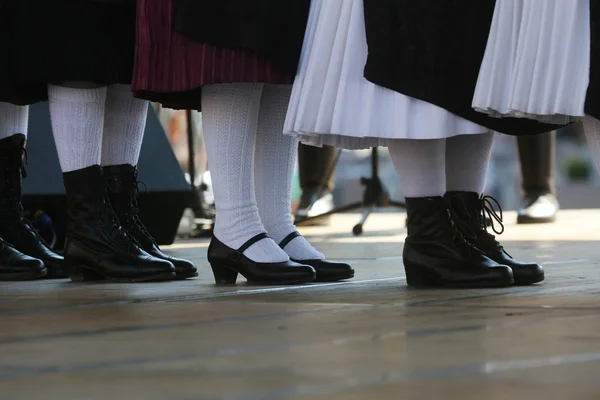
(467, 161)
(13, 120)
(124, 124)
(230, 117)
(274, 164)
(77, 122)
(420, 165)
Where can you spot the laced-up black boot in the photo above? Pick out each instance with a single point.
(436, 253)
(14, 228)
(474, 211)
(97, 247)
(122, 187)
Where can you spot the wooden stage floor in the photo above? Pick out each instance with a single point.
(369, 338)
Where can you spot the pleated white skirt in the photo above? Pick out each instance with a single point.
(333, 104)
(537, 61)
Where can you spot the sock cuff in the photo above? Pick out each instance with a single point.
(93, 95)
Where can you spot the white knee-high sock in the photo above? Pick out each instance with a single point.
(420, 165)
(77, 122)
(591, 127)
(124, 124)
(274, 164)
(230, 118)
(467, 162)
(13, 119)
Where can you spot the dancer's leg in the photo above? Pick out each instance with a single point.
(467, 161)
(77, 123)
(124, 125)
(97, 247)
(420, 164)
(274, 165)
(13, 120)
(15, 265)
(435, 251)
(591, 127)
(230, 118)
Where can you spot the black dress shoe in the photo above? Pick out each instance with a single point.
(538, 208)
(436, 254)
(473, 212)
(327, 271)
(14, 227)
(537, 156)
(122, 188)
(97, 247)
(312, 203)
(16, 266)
(227, 263)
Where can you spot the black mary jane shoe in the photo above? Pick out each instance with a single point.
(327, 271)
(227, 263)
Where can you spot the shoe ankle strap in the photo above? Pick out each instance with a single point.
(288, 239)
(252, 241)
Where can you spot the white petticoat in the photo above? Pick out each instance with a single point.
(537, 61)
(333, 104)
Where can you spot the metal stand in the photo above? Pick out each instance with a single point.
(375, 195)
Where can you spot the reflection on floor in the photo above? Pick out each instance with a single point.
(371, 337)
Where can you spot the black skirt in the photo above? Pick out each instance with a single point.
(54, 41)
(274, 28)
(10, 90)
(432, 50)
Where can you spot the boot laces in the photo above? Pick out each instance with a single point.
(13, 199)
(117, 233)
(127, 210)
(462, 233)
(473, 224)
(11, 165)
(135, 212)
(489, 213)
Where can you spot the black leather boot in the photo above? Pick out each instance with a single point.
(14, 228)
(436, 254)
(317, 177)
(16, 266)
(537, 155)
(473, 212)
(97, 247)
(122, 187)
(227, 263)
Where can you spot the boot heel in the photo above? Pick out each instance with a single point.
(82, 274)
(416, 277)
(224, 275)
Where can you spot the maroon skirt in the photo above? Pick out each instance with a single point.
(171, 69)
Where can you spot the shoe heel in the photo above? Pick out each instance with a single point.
(415, 277)
(224, 275)
(82, 274)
